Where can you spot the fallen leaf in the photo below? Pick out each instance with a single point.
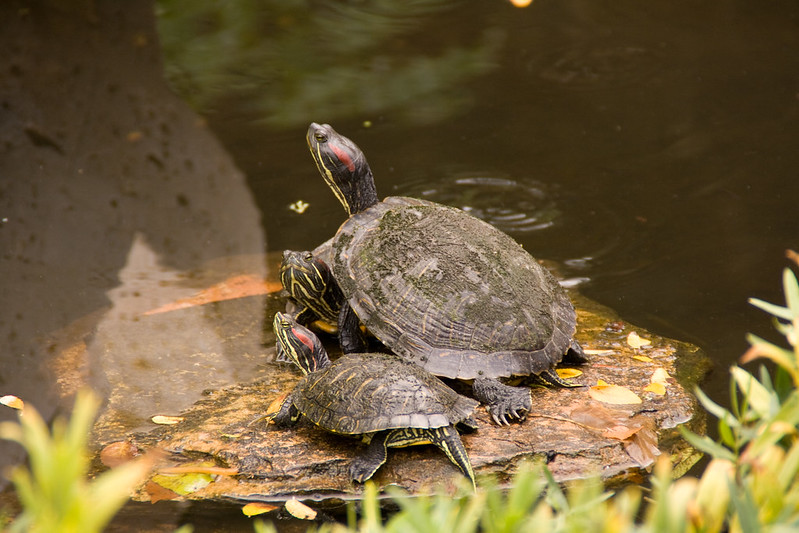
(183, 483)
(12, 402)
(299, 206)
(635, 341)
(118, 453)
(598, 352)
(568, 373)
(256, 508)
(199, 469)
(613, 394)
(297, 509)
(660, 376)
(230, 289)
(167, 420)
(158, 493)
(620, 432)
(275, 406)
(643, 358)
(656, 388)
(642, 446)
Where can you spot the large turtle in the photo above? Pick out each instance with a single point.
(384, 398)
(442, 288)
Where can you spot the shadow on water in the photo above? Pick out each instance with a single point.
(647, 149)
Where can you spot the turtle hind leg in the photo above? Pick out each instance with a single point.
(365, 465)
(449, 441)
(505, 404)
(550, 378)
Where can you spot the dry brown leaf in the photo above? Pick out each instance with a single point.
(568, 373)
(297, 509)
(613, 394)
(256, 508)
(158, 493)
(230, 289)
(635, 341)
(166, 420)
(118, 453)
(620, 432)
(642, 446)
(12, 402)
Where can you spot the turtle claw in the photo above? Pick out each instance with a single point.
(505, 404)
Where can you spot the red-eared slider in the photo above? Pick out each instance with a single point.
(310, 285)
(382, 397)
(441, 287)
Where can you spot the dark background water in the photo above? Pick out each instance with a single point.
(654, 142)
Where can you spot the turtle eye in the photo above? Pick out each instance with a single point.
(320, 137)
(285, 324)
(309, 256)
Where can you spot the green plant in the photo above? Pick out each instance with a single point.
(55, 492)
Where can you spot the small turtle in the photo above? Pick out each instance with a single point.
(442, 288)
(385, 399)
(310, 285)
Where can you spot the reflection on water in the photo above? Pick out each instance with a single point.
(508, 204)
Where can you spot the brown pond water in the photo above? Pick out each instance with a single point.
(649, 149)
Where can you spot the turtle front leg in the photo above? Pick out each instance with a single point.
(349, 331)
(365, 465)
(505, 404)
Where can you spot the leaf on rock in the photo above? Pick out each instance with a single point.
(256, 508)
(166, 420)
(656, 388)
(183, 483)
(659, 381)
(643, 445)
(635, 341)
(568, 373)
(643, 358)
(230, 289)
(620, 432)
(158, 493)
(613, 394)
(297, 509)
(598, 352)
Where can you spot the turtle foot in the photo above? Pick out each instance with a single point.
(505, 404)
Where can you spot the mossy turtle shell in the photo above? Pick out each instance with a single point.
(450, 292)
(363, 393)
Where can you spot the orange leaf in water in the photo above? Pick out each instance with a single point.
(12, 402)
(613, 394)
(230, 289)
(256, 508)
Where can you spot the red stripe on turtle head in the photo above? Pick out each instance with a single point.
(344, 157)
(303, 338)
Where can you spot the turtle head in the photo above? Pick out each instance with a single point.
(299, 344)
(343, 166)
(304, 276)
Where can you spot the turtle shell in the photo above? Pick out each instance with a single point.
(366, 392)
(451, 292)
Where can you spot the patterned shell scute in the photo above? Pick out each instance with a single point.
(363, 393)
(451, 292)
